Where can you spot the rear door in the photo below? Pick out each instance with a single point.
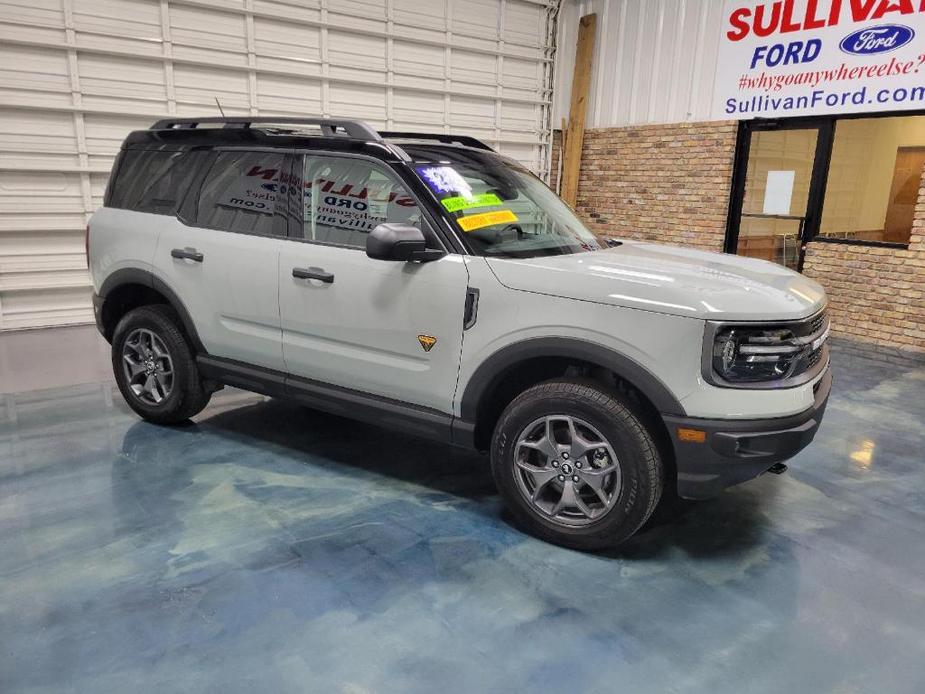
(392, 329)
(223, 260)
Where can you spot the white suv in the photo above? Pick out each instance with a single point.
(426, 283)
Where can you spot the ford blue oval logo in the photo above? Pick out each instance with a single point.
(879, 39)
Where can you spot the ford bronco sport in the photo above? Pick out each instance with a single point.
(426, 283)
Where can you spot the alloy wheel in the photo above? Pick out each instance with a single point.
(566, 470)
(148, 367)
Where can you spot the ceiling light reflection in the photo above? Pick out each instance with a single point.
(864, 455)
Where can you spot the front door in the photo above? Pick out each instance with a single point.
(392, 329)
(770, 209)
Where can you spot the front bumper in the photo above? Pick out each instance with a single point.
(736, 450)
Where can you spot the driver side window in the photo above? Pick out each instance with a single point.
(345, 198)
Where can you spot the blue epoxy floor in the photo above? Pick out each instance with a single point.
(270, 548)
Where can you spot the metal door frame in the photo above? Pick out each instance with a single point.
(809, 224)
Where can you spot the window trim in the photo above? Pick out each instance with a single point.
(815, 204)
(113, 177)
(862, 242)
(298, 158)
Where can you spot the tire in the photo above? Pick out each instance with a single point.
(171, 397)
(625, 467)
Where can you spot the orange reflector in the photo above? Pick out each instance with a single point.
(692, 435)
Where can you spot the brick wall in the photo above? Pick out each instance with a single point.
(664, 183)
(875, 294)
(671, 184)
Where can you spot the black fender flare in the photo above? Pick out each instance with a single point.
(138, 276)
(488, 373)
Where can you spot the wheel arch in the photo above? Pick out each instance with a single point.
(523, 364)
(130, 288)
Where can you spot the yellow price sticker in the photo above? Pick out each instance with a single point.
(486, 219)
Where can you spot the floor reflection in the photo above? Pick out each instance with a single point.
(267, 545)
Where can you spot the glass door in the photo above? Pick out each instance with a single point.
(776, 172)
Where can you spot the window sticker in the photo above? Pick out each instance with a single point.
(445, 179)
(461, 202)
(486, 219)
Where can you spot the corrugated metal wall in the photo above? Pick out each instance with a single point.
(77, 75)
(654, 60)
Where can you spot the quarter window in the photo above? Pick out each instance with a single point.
(240, 193)
(154, 181)
(346, 198)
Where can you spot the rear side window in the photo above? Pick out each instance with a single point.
(153, 181)
(239, 193)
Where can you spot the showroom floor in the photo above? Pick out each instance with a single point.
(268, 546)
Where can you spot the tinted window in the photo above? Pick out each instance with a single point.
(153, 181)
(346, 198)
(239, 192)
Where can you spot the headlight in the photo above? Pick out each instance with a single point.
(756, 355)
(744, 355)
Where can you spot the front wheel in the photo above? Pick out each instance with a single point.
(576, 465)
(155, 368)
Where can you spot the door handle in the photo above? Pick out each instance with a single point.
(187, 253)
(313, 273)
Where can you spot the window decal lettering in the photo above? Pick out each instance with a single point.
(254, 191)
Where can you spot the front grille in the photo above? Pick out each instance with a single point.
(811, 334)
(819, 321)
(813, 358)
(814, 326)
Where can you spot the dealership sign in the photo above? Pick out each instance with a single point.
(808, 57)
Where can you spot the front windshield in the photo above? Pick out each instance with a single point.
(502, 208)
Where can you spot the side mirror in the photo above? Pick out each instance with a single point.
(401, 242)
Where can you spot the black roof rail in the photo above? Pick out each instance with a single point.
(329, 126)
(439, 137)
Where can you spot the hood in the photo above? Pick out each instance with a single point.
(667, 279)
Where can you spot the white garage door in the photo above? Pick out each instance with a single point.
(77, 75)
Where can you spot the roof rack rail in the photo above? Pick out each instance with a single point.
(439, 137)
(329, 126)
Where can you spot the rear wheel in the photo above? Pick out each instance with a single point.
(576, 465)
(155, 368)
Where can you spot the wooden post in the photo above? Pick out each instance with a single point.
(562, 130)
(574, 137)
